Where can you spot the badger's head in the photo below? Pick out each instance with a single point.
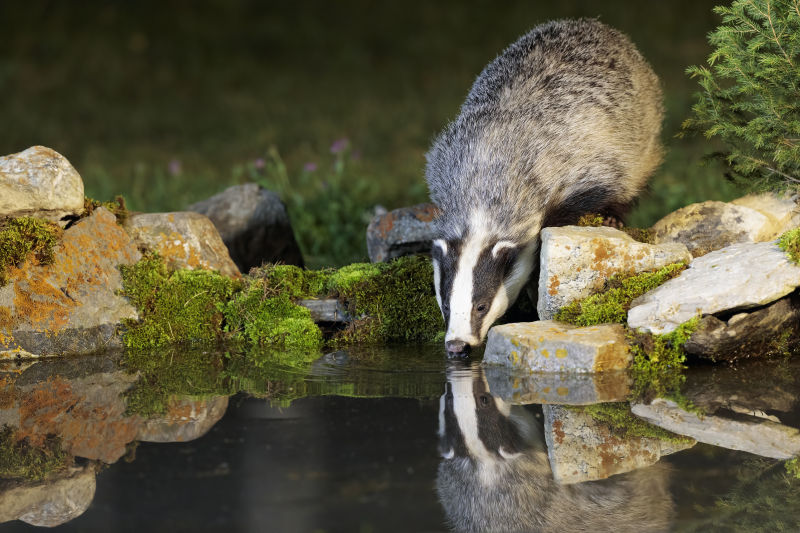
(476, 279)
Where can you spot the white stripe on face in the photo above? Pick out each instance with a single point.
(466, 415)
(437, 282)
(460, 325)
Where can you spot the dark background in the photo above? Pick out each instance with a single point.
(169, 102)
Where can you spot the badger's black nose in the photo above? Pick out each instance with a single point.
(456, 348)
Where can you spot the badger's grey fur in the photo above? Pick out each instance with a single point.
(566, 121)
(495, 475)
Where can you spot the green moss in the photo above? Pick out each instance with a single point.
(273, 321)
(293, 281)
(789, 242)
(638, 234)
(793, 467)
(21, 460)
(612, 304)
(116, 206)
(591, 220)
(24, 237)
(174, 307)
(594, 220)
(397, 299)
(658, 362)
(625, 424)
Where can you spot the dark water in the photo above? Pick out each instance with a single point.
(408, 446)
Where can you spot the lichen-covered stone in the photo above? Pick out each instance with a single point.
(782, 211)
(549, 346)
(739, 276)
(523, 388)
(404, 231)
(253, 224)
(751, 434)
(576, 262)
(185, 419)
(70, 306)
(709, 226)
(184, 239)
(753, 334)
(52, 502)
(39, 182)
(581, 448)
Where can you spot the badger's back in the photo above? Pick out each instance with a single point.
(566, 120)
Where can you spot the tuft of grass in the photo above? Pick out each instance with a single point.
(611, 305)
(21, 460)
(24, 237)
(625, 424)
(793, 467)
(789, 242)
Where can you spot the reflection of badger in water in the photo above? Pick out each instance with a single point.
(495, 474)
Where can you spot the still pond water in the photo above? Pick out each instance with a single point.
(420, 444)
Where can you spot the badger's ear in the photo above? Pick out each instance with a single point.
(439, 248)
(505, 251)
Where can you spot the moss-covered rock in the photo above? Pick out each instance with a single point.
(20, 460)
(180, 307)
(24, 237)
(625, 424)
(613, 302)
(397, 300)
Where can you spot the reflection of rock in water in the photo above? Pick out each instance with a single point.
(49, 503)
(495, 475)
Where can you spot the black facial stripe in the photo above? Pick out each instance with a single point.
(487, 278)
(448, 264)
(495, 430)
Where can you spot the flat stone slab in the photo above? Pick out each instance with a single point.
(740, 276)
(576, 261)
(783, 212)
(404, 231)
(581, 448)
(184, 239)
(71, 306)
(39, 182)
(253, 224)
(550, 346)
(525, 388)
(708, 226)
(753, 434)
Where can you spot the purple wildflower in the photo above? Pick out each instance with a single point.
(355, 155)
(339, 145)
(310, 166)
(174, 167)
(259, 163)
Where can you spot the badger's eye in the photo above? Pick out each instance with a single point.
(484, 400)
(481, 308)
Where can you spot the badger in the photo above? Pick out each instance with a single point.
(566, 121)
(494, 474)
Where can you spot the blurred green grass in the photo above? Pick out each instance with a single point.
(167, 102)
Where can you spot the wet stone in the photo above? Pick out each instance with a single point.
(253, 224)
(581, 448)
(51, 502)
(557, 388)
(736, 431)
(576, 262)
(404, 231)
(738, 277)
(709, 226)
(782, 211)
(326, 310)
(71, 306)
(39, 182)
(186, 419)
(549, 346)
(183, 239)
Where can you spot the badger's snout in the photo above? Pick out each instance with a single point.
(457, 348)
